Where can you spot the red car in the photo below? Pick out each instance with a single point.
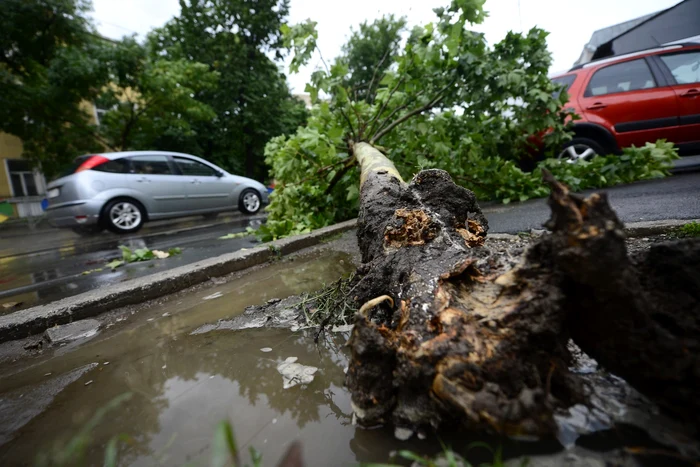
(633, 99)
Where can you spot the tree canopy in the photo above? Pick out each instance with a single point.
(252, 101)
(368, 53)
(204, 83)
(446, 99)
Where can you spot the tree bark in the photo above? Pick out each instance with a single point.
(450, 333)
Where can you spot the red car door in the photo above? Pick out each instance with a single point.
(626, 99)
(685, 69)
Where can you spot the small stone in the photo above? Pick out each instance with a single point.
(88, 383)
(47, 374)
(266, 349)
(82, 329)
(274, 420)
(106, 363)
(164, 367)
(213, 296)
(272, 301)
(33, 345)
(166, 314)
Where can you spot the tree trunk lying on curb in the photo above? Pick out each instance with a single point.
(448, 334)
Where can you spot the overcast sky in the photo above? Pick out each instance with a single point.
(569, 22)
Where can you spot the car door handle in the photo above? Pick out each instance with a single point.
(596, 106)
(691, 93)
(144, 180)
(196, 182)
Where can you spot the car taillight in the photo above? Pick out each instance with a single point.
(91, 163)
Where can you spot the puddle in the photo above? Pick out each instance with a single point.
(274, 386)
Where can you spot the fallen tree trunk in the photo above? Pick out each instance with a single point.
(450, 333)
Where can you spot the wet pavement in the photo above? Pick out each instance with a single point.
(676, 197)
(174, 386)
(38, 271)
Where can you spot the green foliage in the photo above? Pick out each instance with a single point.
(368, 54)
(225, 450)
(150, 99)
(499, 179)
(245, 233)
(691, 229)
(204, 83)
(49, 63)
(447, 100)
(140, 254)
(301, 38)
(449, 458)
(74, 451)
(251, 101)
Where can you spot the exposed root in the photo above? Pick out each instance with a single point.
(374, 302)
(412, 228)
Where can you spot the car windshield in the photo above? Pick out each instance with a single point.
(565, 81)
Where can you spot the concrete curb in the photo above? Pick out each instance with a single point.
(632, 229)
(644, 229)
(37, 319)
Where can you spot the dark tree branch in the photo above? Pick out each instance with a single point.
(350, 162)
(438, 97)
(374, 76)
(386, 102)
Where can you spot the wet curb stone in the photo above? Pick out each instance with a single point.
(39, 318)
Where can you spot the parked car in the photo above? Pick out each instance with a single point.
(121, 191)
(633, 99)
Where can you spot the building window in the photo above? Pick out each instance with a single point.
(22, 179)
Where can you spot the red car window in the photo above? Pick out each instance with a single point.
(621, 77)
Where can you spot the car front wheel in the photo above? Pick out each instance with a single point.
(580, 149)
(124, 216)
(250, 201)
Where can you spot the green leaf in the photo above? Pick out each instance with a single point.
(175, 251)
(127, 255)
(353, 193)
(114, 264)
(233, 235)
(224, 449)
(143, 254)
(412, 456)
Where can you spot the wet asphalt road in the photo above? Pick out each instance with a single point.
(45, 267)
(676, 197)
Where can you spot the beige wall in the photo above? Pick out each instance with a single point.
(10, 148)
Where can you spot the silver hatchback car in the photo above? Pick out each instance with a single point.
(121, 191)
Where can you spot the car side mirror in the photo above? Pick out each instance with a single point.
(219, 173)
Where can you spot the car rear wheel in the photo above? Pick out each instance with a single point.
(124, 216)
(250, 201)
(580, 149)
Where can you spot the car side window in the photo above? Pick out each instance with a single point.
(194, 168)
(115, 166)
(621, 77)
(150, 165)
(685, 67)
